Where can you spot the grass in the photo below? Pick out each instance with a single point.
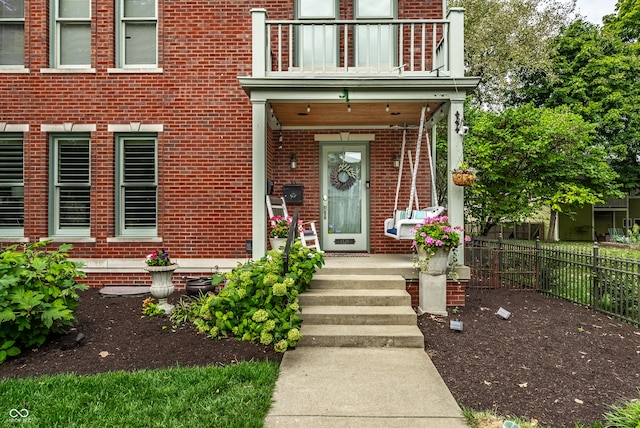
(237, 395)
(490, 419)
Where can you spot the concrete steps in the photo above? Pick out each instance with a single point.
(358, 311)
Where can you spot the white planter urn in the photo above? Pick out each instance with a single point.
(162, 285)
(437, 264)
(277, 243)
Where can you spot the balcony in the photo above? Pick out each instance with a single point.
(358, 48)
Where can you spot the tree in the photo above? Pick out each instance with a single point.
(626, 23)
(531, 157)
(503, 37)
(597, 75)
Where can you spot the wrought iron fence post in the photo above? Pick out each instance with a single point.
(536, 254)
(595, 293)
(499, 272)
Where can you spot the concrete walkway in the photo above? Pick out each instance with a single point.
(361, 387)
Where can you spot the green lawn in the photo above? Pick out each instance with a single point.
(232, 396)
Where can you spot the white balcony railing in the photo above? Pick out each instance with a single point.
(423, 48)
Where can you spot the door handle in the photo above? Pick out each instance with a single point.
(325, 207)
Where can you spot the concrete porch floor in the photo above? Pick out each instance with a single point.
(379, 264)
(371, 264)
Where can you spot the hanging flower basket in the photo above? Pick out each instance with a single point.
(464, 177)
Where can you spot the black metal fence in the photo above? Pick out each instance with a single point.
(606, 284)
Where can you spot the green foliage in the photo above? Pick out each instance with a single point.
(259, 302)
(596, 74)
(38, 295)
(530, 157)
(626, 23)
(8, 349)
(150, 308)
(626, 415)
(502, 37)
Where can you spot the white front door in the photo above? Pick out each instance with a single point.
(345, 197)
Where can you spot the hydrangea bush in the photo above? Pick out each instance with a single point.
(38, 295)
(259, 302)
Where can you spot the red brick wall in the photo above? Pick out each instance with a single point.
(204, 151)
(456, 292)
(102, 279)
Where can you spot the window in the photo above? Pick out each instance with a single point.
(70, 213)
(72, 34)
(137, 33)
(11, 186)
(137, 183)
(375, 43)
(11, 33)
(317, 43)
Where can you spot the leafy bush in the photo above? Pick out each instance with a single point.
(626, 415)
(259, 302)
(38, 295)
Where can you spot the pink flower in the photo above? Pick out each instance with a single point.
(439, 243)
(429, 240)
(467, 238)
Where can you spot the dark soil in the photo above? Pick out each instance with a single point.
(115, 325)
(551, 360)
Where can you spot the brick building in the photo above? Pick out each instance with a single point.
(130, 125)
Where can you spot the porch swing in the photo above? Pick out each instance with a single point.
(403, 221)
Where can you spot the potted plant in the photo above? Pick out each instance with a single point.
(464, 175)
(433, 240)
(280, 231)
(160, 267)
(203, 285)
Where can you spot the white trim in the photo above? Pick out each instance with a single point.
(135, 127)
(65, 70)
(14, 239)
(345, 136)
(14, 127)
(68, 127)
(136, 265)
(69, 239)
(125, 239)
(135, 70)
(7, 69)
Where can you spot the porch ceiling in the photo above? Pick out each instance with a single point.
(362, 114)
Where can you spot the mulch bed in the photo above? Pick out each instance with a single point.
(551, 360)
(115, 325)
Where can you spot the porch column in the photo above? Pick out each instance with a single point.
(258, 42)
(259, 178)
(454, 158)
(456, 41)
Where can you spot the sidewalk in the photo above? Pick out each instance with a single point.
(361, 387)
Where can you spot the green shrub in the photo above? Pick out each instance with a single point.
(626, 415)
(38, 295)
(259, 302)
